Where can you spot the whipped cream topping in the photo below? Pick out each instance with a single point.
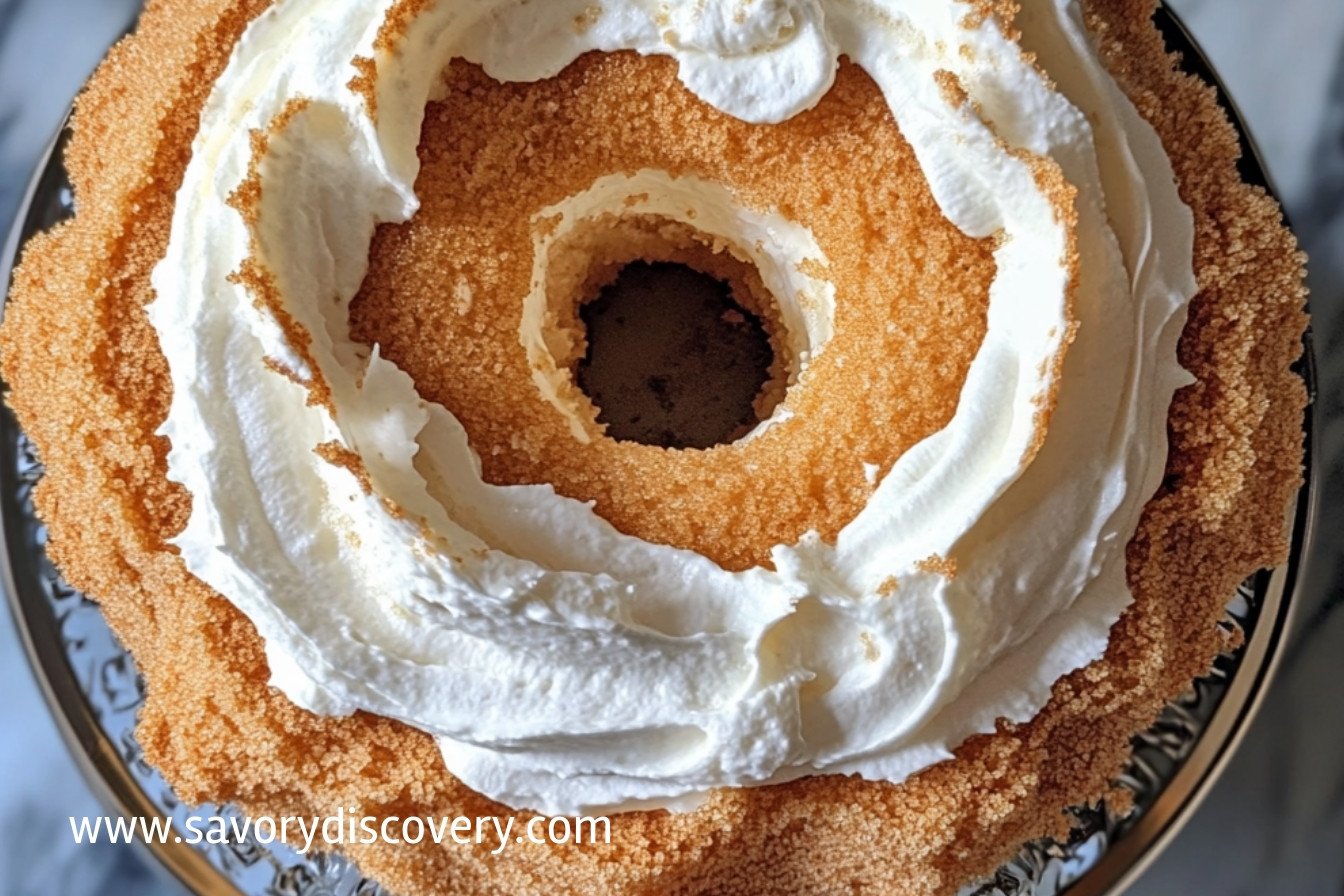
(562, 665)
(780, 250)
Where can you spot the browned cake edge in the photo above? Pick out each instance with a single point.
(89, 386)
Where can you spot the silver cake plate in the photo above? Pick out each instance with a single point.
(91, 683)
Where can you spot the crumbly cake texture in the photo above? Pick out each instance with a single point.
(90, 386)
(912, 291)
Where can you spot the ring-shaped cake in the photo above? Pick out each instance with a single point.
(894, 561)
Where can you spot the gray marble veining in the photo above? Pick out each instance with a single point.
(1275, 822)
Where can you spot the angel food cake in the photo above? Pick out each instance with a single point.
(305, 372)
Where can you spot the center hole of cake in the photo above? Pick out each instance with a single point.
(673, 360)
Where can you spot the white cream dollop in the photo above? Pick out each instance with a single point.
(562, 665)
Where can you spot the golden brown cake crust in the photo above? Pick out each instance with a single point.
(90, 386)
(913, 291)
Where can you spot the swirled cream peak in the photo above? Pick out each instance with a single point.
(562, 665)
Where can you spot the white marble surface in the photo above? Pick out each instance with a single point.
(1273, 825)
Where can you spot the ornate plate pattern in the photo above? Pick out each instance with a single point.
(95, 691)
